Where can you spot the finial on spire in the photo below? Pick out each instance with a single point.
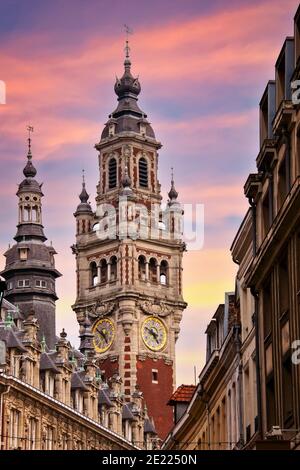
(127, 61)
(29, 170)
(30, 130)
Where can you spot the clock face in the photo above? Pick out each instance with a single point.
(154, 333)
(104, 333)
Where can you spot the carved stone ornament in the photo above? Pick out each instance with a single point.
(100, 309)
(157, 308)
(127, 150)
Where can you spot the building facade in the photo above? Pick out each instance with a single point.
(274, 273)
(53, 396)
(213, 418)
(129, 258)
(265, 363)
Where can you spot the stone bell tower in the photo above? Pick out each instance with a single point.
(129, 283)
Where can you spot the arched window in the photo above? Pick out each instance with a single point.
(112, 173)
(27, 214)
(103, 271)
(142, 268)
(35, 216)
(93, 274)
(164, 272)
(143, 172)
(153, 270)
(113, 268)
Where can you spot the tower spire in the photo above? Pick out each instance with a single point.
(127, 61)
(84, 196)
(173, 194)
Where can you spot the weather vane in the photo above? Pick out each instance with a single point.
(128, 31)
(30, 130)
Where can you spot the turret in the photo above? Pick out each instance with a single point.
(30, 267)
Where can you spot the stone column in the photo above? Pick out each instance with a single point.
(158, 273)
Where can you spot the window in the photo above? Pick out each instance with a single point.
(23, 254)
(23, 283)
(282, 183)
(78, 401)
(153, 270)
(93, 274)
(142, 268)
(143, 173)
(35, 214)
(49, 438)
(163, 275)
(32, 432)
(27, 214)
(14, 429)
(113, 268)
(64, 442)
(267, 309)
(283, 285)
(112, 173)
(41, 284)
(9, 285)
(266, 213)
(103, 271)
(154, 376)
(49, 383)
(15, 365)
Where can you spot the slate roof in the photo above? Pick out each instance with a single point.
(11, 339)
(103, 398)
(47, 363)
(126, 412)
(149, 427)
(77, 382)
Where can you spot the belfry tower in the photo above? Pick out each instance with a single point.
(130, 286)
(30, 271)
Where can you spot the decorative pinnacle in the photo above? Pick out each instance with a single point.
(84, 196)
(8, 320)
(173, 194)
(43, 344)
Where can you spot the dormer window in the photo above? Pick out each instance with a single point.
(111, 130)
(23, 254)
(142, 129)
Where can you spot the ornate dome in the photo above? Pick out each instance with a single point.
(128, 116)
(29, 170)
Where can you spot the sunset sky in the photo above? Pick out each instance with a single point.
(203, 67)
